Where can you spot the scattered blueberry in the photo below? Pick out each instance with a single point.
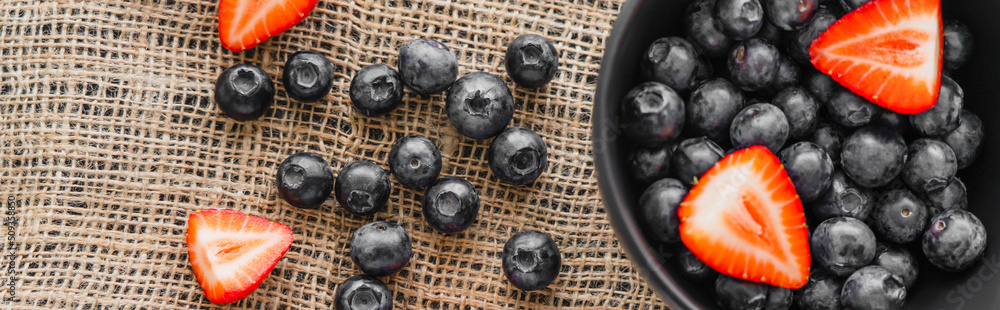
(873, 288)
(842, 245)
(479, 105)
(381, 248)
(712, 108)
(415, 161)
(954, 240)
(308, 76)
(649, 164)
(798, 47)
(427, 66)
(898, 261)
(753, 64)
(830, 138)
(873, 155)
(844, 198)
(704, 30)
(693, 157)
(741, 19)
(735, 294)
(790, 14)
(531, 260)
(531, 60)
(672, 61)
(694, 268)
(801, 109)
(658, 209)
(362, 187)
(244, 92)
(376, 90)
(943, 117)
(362, 292)
(652, 114)
(899, 216)
(518, 156)
(809, 168)
(760, 124)
(930, 165)
(850, 110)
(958, 44)
(450, 204)
(951, 197)
(305, 180)
(967, 139)
(822, 292)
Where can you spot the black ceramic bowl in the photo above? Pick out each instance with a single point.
(642, 21)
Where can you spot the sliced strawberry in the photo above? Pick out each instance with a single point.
(888, 51)
(231, 253)
(744, 219)
(245, 23)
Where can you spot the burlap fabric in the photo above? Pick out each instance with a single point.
(110, 137)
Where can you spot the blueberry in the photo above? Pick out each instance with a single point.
(308, 76)
(851, 5)
(821, 85)
(362, 292)
(778, 298)
(518, 156)
(958, 44)
(415, 161)
(652, 114)
(830, 138)
(801, 108)
(798, 47)
(954, 240)
(741, 19)
(822, 292)
(244, 92)
(712, 108)
(531, 260)
(479, 105)
(693, 157)
(658, 209)
(649, 164)
(753, 64)
(450, 204)
(694, 268)
(873, 155)
(376, 90)
(362, 188)
(966, 140)
(381, 248)
(760, 124)
(788, 75)
(899, 216)
(305, 180)
(704, 30)
(531, 60)
(735, 294)
(930, 165)
(672, 61)
(943, 117)
(809, 168)
(841, 245)
(427, 66)
(873, 288)
(850, 110)
(790, 14)
(899, 262)
(844, 198)
(951, 197)
(898, 122)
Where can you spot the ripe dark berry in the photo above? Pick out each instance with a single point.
(427, 66)
(760, 124)
(652, 114)
(899, 262)
(736, 294)
(362, 187)
(967, 139)
(798, 46)
(899, 216)
(450, 205)
(958, 44)
(951, 197)
(244, 92)
(822, 292)
(649, 164)
(753, 64)
(712, 108)
(801, 109)
(943, 117)
(830, 138)
(873, 155)
(850, 110)
(693, 157)
(741, 19)
(381, 248)
(658, 209)
(844, 198)
(704, 30)
(305, 180)
(930, 166)
(308, 76)
(415, 161)
(694, 268)
(873, 287)
(954, 240)
(790, 14)
(672, 61)
(479, 105)
(531, 260)
(362, 292)
(788, 75)
(841, 245)
(376, 90)
(531, 60)
(809, 168)
(518, 156)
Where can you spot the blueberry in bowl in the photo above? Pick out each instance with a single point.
(868, 136)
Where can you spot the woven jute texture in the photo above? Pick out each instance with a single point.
(110, 137)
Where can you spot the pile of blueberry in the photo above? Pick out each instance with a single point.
(879, 188)
(479, 106)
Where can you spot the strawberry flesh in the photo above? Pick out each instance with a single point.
(245, 23)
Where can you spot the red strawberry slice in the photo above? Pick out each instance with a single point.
(231, 253)
(744, 219)
(245, 23)
(888, 51)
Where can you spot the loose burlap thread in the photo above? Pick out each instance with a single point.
(110, 138)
